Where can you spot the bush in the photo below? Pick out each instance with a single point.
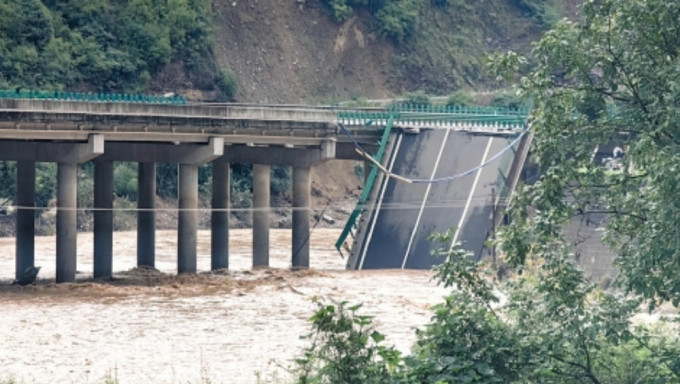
(345, 348)
(417, 98)
(460, 98)
(340, 10)
(125, 180)
(507, 100)
(281, 180)
(546, 12)
(398, 18)
(227, 85)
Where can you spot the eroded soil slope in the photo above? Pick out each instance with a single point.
(283, 51)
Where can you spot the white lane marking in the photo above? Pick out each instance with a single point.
(472, 192)
(427, 193)
(380, 200)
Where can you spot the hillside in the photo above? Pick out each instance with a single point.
(287, 51)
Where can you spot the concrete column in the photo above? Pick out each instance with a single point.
(25, 233)
(103, 219)
(67, 184)
(188, 218)
(219, 222)
(301, 208)
(261, 175)
(146, 217)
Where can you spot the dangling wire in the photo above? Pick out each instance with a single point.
(361, 151)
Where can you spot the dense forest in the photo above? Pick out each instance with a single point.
(105, 46)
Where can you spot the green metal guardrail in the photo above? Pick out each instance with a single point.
(351, 222)
(439, 115)
(92, 97)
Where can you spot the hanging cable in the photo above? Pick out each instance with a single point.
(361, 151)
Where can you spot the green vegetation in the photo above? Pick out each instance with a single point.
(611, 79)
(105, 46)
(546, 12)
(395, 19)
(551, 327)
(461, 98)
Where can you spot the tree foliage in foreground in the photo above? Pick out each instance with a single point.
(612, 78)
(547, 325)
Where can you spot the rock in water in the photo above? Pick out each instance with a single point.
(29, 276)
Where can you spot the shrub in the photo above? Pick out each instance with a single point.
(460, 98)
(417, 98)
(507, 100)
(227, 85)
(398, 18)
(345, 348)
(125, 180)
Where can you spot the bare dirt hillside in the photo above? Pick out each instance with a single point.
(286, 51)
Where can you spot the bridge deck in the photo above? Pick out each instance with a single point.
(400, 219)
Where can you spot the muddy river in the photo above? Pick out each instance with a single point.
(146, 327)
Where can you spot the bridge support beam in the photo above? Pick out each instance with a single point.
(188, 218)
(219, 222)
(25, 232)
(103, 219)
(146, 217)
(301, 208)
(66, 221)
(261, 202)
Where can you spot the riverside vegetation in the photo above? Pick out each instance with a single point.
(612, 76)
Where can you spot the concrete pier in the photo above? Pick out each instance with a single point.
(261, 207)
(25, 232)
(66, 221)
(70, 132)
(146, 217)
(301, 209)
(219, 219)
(188, 218)
(103, 219)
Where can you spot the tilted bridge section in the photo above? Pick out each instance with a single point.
(440, 169)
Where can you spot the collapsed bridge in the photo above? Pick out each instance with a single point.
(433, 168)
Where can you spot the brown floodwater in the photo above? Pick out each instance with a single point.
(146, 327)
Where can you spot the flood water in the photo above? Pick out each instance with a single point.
(240, 327)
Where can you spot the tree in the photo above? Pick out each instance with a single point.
(611, 78)
(552, 326)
